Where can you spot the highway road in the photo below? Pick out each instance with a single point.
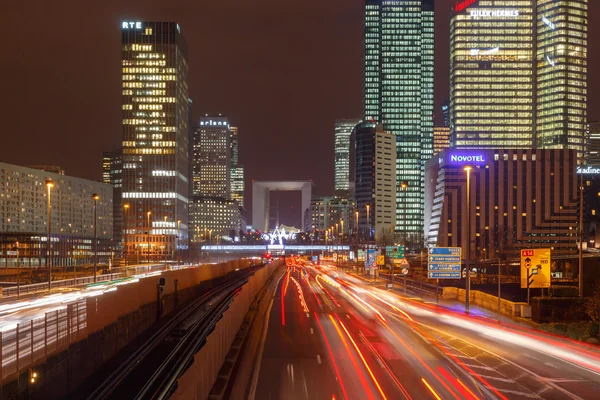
(336, 336)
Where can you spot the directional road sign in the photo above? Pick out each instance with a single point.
(445, 251)
(443, 267)
(444, 259)
(444, 274)
(535, 265)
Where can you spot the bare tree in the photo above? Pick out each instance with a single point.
(386, 237)
(592, 306)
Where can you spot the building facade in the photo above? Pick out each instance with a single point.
(373, 157)
(561, 60)
(446, 112)
(24, 219)
(155, 138)
(590, 177)
(55, 169)
(491, 74)
(237, 184)
(398, 91)
(212, 158)
(327, 211)
(343, 130)
(519, 199)
(112, 174)
(441, 139)
(213, 218)
(593, 143)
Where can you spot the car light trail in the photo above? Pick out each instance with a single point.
(466, 388)
(335, 367)
(450, 379)
(361, 357)
(301, 295)
(352, 358)
(431, 389)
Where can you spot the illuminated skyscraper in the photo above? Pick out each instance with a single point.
(446, 112)
(155, 138)
(398, 91)
(237, 170)
(212, 158)
(561, 55)
(441, 139)
(112, 174)
(593, 143)
(343, 130)
(234, 144)
(491, 74)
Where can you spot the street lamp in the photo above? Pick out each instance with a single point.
(368, 223)
(468, 169)
(95, 197)
(165, 228)
(125, 248)
(18, 271)
(404, 186)
(342, 232)
(148, 253)
(177, 241)
(49, 185)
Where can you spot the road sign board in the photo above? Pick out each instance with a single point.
(535, 262)
(445, 251)
(443, 274)
(404, 271)
(380, 260)
(401, 262)
(444, 259)
(443, 267)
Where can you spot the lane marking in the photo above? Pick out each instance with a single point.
(431, 389)
(531, 396)
(307, 316)
(312, 331)
(497, 378)
(348, 316)
(318, 358)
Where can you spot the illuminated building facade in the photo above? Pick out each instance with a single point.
(212, 217)
(373, 160)
(325, 212)
(446, 112)
(520, 199)
(591, 201)
(561, 56)
(237, 184)
(343, 130)
(398, 91)
(24, 218)
(112, 174)
(155, 138)
(491, 74)
(212, 158)
(593, 143)
(441, 139)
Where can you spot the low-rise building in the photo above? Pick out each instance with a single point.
(519, 199)
(24, 210)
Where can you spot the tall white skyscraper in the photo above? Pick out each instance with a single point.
(343, 130)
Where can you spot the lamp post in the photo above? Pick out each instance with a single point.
(18, 271)
(404, 187)
(49, 185)
(125, 248)
(468, 169)
(165, 227)
(177, 241)
(581, 232)
(342, 232)
(95, 197)
(148, 253)
(368, 223)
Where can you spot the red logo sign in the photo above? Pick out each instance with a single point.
(463, 4)
(527, 253)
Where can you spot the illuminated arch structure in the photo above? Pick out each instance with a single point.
(260, 199)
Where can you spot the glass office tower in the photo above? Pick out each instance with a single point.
(398, 92)
(155, 139)
(491, 74)
(561, 55)
(343, 130)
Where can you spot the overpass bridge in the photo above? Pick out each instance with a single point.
(280, 249)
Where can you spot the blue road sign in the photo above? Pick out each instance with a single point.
(443, 275)
(444, 259)
(445, 251)
(444, 267)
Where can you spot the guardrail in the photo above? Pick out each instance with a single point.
(416, 286)
(119, 272)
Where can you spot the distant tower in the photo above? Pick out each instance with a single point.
(343, 130)
(212, 158)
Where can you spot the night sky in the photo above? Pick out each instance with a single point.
(283, 71)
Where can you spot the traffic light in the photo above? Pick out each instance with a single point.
(32, 376)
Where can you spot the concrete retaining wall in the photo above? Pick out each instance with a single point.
(197, 382)
(110, 322)
(485, 301)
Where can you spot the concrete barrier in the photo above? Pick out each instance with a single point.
(198, 380)
(486, 301)
(72, 343)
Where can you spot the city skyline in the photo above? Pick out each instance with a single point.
(209, 83)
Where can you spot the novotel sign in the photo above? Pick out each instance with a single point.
(131, 25)
(463, 158)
